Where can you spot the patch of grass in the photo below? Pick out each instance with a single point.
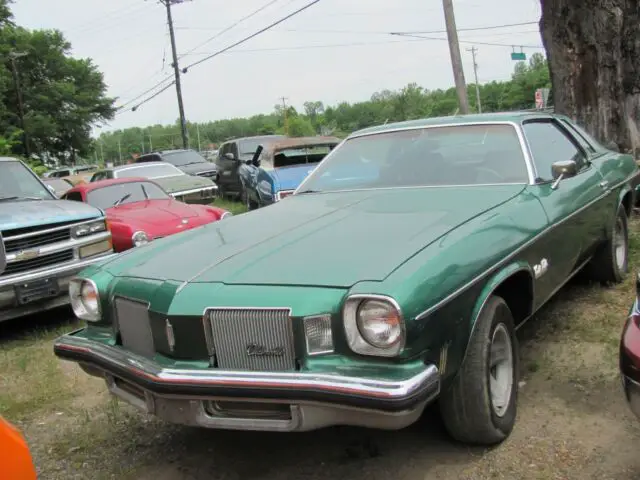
(236, 208)
(30, 376)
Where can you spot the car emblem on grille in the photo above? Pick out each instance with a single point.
(27, 254)
(255, 350)
(185, 221)
(171, 339)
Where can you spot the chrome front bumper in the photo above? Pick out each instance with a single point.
(243, 400)
(62, 273)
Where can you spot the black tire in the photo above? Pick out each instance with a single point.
(604, 266)
(222, 190)
(467, 408)
(246, 201)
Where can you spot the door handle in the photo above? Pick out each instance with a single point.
(604, 184)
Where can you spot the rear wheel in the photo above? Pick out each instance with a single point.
(611, 262)
(246, 200)
(481, 404)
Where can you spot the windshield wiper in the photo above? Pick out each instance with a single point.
(308, 191)
(122, 200)
(4, 199)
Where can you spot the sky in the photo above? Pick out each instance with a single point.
(334, 51)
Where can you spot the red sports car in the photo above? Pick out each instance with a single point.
(138, 210)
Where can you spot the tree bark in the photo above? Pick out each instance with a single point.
(593, 50)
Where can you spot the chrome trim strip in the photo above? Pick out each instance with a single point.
(57, 270)
(522, 247)
(140, 367)
(55, 229)
(415, 187)
(62, 246)
(194, 190)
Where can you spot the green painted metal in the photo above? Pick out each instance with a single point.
(439, 252)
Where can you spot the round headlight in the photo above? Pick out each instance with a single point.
(379, 323)
(139, 238)
(84, 298)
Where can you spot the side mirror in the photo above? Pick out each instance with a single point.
(563, 169)
(611, 145)
(230, 156)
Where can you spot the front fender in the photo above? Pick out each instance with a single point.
(492, 285)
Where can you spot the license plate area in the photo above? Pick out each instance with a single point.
(29, 292)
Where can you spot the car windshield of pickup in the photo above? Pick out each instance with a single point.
(186, 157)
(478, 154)
(17, 182)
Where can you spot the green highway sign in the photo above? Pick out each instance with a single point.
(518, 56)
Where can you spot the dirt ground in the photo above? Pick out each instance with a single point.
(572, 422)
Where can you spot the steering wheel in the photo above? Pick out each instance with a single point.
(491, 172)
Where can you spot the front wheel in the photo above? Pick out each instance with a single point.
(481, 404)
(611, 262)
(246, 200)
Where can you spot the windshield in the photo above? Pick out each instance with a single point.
(58, 183)
(18, 182)
(183, 158)
(249, 147)
(149, 171)
(437, 156)
(300, 155)
(106, 197)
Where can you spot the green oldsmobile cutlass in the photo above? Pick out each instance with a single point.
(396, 274)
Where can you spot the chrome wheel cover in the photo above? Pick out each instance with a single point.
(500, 370)
(619, 244)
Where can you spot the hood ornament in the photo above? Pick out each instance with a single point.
(185, 221)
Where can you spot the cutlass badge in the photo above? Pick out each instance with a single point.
(255, 350)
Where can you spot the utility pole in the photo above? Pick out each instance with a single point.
(120, 151)
(284, 111)
(176, 70)
(473, 51)
(198, 133)
(101, 152)
(456, 60)
(16, 81)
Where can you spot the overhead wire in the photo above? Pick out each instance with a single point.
(253, 35)
(148, 99)
(225, 30)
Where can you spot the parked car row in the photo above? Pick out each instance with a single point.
(395, 274)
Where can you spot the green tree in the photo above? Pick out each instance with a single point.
(63, 97)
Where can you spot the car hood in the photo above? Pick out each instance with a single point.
(32, 213)
(153, 212)
(289, 178)
(331, 240)
(181, 183)
(196, 168)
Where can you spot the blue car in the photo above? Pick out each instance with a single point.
(278, 168)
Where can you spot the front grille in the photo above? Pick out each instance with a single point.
(35, 240)
(38, 262)
(252, 339)
(132, 320)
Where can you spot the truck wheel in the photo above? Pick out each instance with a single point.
(611, 262)
(480, 405)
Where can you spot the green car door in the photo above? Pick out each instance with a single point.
(574, 206)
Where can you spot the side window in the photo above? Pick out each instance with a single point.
(578, 136)
(234, 149)
(75, 196)
(549, 144)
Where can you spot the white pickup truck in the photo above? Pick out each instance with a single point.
(45, 242)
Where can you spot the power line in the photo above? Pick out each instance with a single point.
(490, 44)
(490, 27)
(262, 30)
(135, 107)
(246, 17)
(145, 92)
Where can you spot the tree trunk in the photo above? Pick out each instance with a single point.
(593, 49)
